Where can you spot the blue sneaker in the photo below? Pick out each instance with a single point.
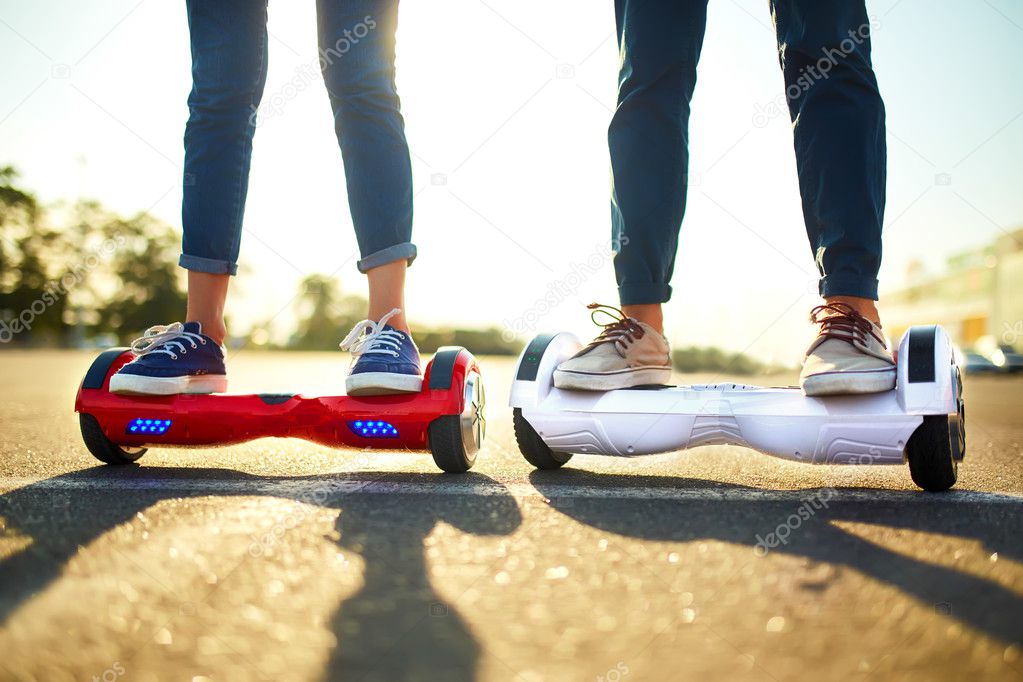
(386, 360)
(171, 359)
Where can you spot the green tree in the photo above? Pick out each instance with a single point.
(31, 298)
(325, 315)
(695, 359)
(15, 204)
(480, 341)
(143, 284)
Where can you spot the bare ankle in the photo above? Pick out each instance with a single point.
(387, 292)
(213, 329)
(398, 320)
(651, 314)
(864, 306)
(207, 294)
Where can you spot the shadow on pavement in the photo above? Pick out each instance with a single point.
(394, 627)
(977, 602)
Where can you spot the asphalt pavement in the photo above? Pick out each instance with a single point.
(283, 560)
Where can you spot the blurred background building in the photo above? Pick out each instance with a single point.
(978, 297)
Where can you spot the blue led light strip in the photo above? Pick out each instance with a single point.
(373, 429)
(148, 427)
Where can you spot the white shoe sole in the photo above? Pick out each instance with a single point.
(849, 383)
(382, 383)
(133, 384)
(610, 381)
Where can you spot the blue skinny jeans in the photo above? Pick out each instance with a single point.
(229, 60)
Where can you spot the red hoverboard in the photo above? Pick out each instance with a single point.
(446, 417)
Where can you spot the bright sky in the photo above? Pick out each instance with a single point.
(507, 106)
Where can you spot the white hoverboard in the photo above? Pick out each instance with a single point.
(922, 421)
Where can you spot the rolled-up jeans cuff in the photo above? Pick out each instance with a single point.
(640, 294)
(213, 267)
(406, 251)
(847, 285)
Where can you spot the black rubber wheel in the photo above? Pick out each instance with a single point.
(533, 448)
(102, 447)
(447, 446)
(932, 455)
(957, 422)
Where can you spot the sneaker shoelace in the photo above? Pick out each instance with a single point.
(842, 321)
(371, 337)
(619, 330)
(164, 339)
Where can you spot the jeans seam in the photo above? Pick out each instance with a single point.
(662, 291)
(240, 160)
(853, 285)
(229, 267)
(410, 250)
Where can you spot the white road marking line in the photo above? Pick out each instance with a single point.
(326, 487)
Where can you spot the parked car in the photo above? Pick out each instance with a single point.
(1007, 359)
(975, 363)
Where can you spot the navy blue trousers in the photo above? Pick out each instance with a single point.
(838, 128)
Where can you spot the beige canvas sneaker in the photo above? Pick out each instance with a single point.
(626, 353)
(848, 356)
